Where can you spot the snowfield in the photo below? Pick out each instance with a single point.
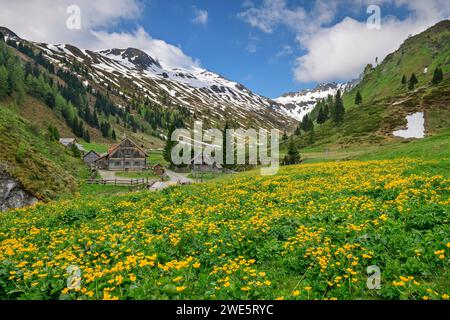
(415, 128)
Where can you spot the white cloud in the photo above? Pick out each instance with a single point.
(286, 50)
(340, 50)
(169, 55)
(253, 42)
(201, 17)
(45, 21)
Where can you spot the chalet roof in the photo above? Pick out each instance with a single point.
(92, 151)
(67, 141)
(116, 146)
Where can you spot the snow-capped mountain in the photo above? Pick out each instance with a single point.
(130, 72)
(298, 104)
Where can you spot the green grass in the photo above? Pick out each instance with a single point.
(155, 157)
(97, 147)
(102, 190)
(309, 232)
(206, 176)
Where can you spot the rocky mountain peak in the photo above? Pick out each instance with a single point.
(139, 58)
(8, 34)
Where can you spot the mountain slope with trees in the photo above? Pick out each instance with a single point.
(412, 79)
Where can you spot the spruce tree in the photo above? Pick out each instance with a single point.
(412, 82)
(404, 80)
(338, 110)
(292, 156)
(4, 85)
(358, 98)
(326, 111)
(53, 133)
(224, 146)
(321, 117)
(438, 76)
(76, 153)
(307, 124)
(167, 153)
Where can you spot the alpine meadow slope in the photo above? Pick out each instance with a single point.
(370, 201)
(387, 100)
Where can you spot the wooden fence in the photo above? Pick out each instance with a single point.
(119, 182)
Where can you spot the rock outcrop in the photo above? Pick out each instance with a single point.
(12, 194)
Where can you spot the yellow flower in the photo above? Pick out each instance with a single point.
(178, 279)
(445, 296)
(262, 274)
(308, 288)
(296, 293)
(119, 279)
(404, 279)
(267, 283)
(132, 277)
(181, 289)
(196, 265)
(448, 245)
(398, 283)
(226, 284)
(245, 288)
(108, 296)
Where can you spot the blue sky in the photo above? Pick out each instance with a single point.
(230, 46)
(226, 44)
(270, 46)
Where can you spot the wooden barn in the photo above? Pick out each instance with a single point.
(90, 158)
(125, 156)
(204, 163)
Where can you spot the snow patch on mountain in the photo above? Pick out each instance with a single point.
(298, 104)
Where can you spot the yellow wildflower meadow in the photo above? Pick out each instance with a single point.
(309, 232)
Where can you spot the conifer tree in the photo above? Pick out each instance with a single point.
(404, 80)
(167, 153)
(358, 98)
(338, 110)
(4, 85)
(292, 156)
(307, 124)
(75, 152)
(438, 76)
(412, 82)
(321, 117)
(225, 149)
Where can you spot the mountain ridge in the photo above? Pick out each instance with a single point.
(132, 72)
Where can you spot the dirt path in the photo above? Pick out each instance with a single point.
(174, 179)
(178, 177)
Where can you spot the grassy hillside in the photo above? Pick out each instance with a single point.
(387, 102)
(45, 168)
(429, 49)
